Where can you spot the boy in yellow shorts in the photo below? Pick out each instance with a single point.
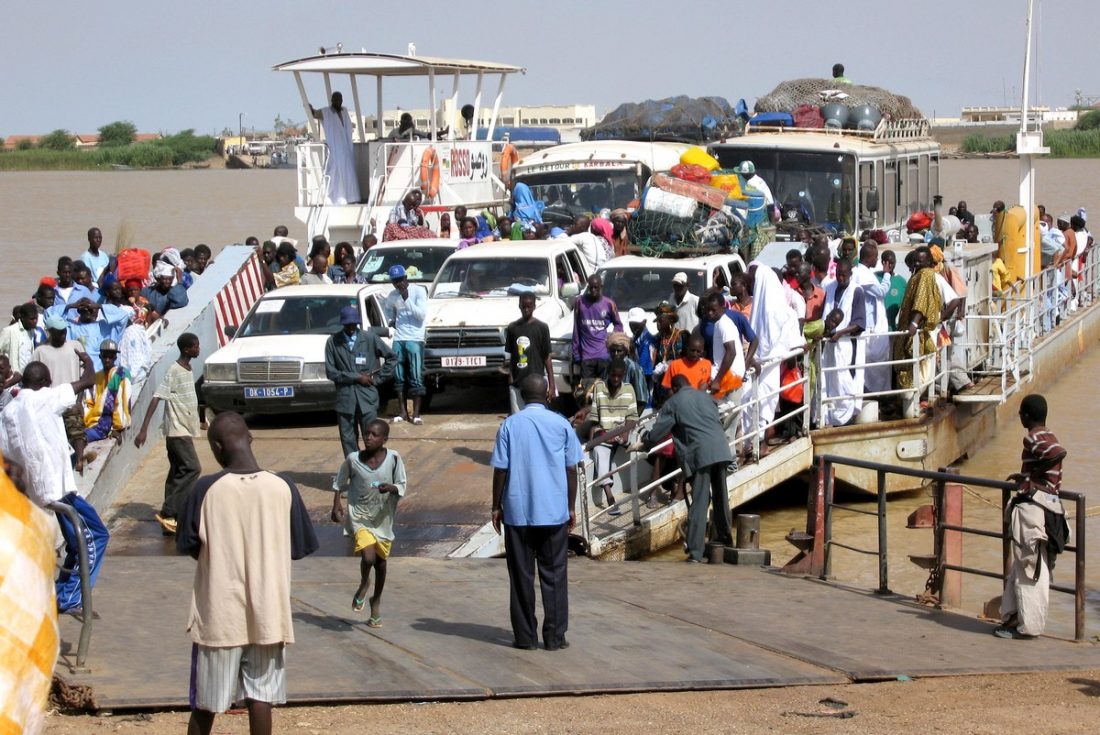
(374, 480)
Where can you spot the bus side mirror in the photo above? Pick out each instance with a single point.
(871, 204)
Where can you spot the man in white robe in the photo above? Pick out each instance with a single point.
(343, 182)
(876, 378)
(777, 333)
(842, 350)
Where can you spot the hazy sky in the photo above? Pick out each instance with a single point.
(169, 66)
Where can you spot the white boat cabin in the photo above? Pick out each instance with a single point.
(449, 170)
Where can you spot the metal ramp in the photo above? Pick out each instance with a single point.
(991, 389)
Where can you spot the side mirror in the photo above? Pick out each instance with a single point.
(230, 330)
(871, 204)
(570, 291)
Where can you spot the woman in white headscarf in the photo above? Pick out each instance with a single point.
(777, 333)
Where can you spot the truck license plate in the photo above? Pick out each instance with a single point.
(282, 391)
(464, 361)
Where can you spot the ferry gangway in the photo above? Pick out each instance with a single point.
(86, 614)
(732, 413)
(739, 416)
(822, 505)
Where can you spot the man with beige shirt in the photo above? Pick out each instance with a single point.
(244, 525)
(181, 425)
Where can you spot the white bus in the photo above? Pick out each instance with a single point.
(844, 179)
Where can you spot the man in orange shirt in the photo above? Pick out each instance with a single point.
(697, 369)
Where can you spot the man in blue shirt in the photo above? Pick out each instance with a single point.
(162, 295)
(406, 309)
(534, 493)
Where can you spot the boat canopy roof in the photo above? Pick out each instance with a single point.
(393, 65)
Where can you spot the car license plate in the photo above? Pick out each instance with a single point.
(282, 391)
(464, 361)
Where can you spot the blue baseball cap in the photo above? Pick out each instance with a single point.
(349, 315)
(397, 272)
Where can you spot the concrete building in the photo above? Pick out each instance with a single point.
(567, 119)
(1012, 114)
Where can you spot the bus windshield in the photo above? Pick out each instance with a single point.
(581, 191)
(818, 185)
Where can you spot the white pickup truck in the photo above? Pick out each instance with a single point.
(475, 297)
(275, 361)
(632, 280)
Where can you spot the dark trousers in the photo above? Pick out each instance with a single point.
(524, 545)
(708, 487)
(183, 470)
(350, 425)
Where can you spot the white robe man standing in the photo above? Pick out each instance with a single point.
(876, 378)
(842, 349)
(343, 182)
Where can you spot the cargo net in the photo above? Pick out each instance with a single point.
(707, 231)
(683, 119)
(790, 94)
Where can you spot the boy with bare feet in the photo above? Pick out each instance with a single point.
(374, 480)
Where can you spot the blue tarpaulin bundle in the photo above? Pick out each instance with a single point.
(683, 119)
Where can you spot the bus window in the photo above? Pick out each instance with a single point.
(922, 175)
(933, 176)
(866, 181)
(890, 192)
(913, 188)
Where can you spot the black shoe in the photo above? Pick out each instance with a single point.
(525, 646)
(559, 646)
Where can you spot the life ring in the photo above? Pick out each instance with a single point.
(509, 157)
(429, 173)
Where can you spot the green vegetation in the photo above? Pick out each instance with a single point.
(977, 143)
(1074, 143)
(121, 132)
(58, 140)
(172, 150)
(1082, 142)
(1088, 121)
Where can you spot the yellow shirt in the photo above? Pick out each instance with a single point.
(1000, 275)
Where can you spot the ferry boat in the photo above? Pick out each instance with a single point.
(449, 171)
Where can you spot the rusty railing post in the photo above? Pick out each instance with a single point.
(827, 566)
(1079, 569)
(951, 595)
(941, 518)
(1006, 535)
(883, 571)
(817, 552)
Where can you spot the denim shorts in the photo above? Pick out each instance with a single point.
(408, 379)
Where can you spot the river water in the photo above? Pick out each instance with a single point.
(46, 214)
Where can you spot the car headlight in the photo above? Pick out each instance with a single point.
(314, 371)
(221, 372)
(561, 349)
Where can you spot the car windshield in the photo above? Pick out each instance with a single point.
(295, 315)
(491, 277)
(421, 262)
(817, 185)
(585, 191)
(645, 287)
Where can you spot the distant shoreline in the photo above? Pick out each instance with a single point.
(16, 162)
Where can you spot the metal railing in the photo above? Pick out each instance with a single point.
(86, 613)
(940, 480)
(730, 411)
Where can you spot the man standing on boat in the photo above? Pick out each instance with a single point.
(343, 187)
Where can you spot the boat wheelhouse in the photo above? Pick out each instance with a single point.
(451, 171)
